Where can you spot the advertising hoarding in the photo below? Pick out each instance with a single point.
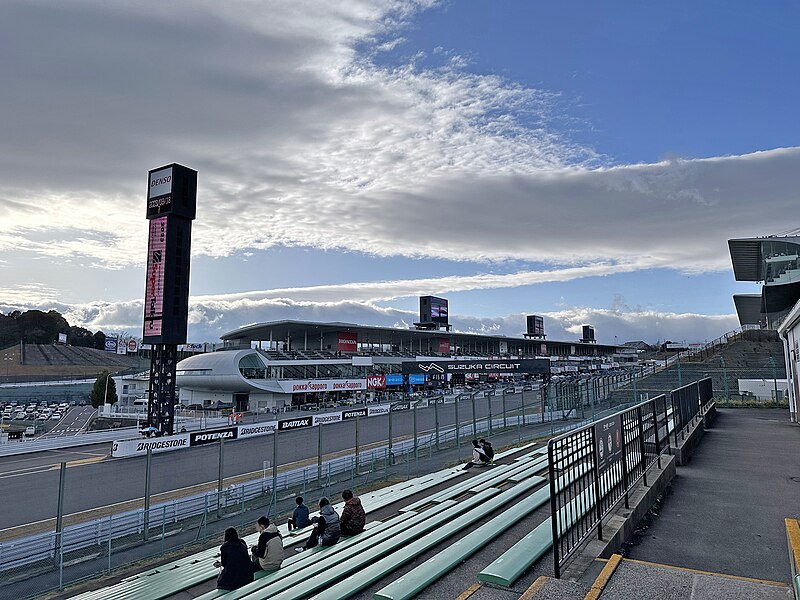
(535, 325)
(62, 338)
(534, 366)
(394, 379)
(352, 414)
(415, 379)
(444, 346)
(111, 344)
(608, 443)
(201, 438)
(376, 382)
(139, 447)
(247, 431)
(347, 341)
(298, 423)
(296, 386)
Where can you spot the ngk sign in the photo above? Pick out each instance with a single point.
(376, 382)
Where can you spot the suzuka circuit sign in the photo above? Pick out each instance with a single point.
(534, 366)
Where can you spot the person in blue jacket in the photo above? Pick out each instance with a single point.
(299, 518)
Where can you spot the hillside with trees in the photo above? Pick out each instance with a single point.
(38, 327)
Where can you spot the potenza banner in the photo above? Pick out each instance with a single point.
(210, 437)
(534, 366)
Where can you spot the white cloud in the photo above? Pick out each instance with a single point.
(209, 318)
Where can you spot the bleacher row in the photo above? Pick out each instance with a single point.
(51, 354)
(504, 493)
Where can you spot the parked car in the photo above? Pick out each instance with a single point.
(55, 417)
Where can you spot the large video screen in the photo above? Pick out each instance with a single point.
(154, 285)
(536, 325)
(438, 310)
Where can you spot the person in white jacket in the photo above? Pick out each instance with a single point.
(478, 456)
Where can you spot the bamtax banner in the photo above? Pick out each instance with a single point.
(298, 423)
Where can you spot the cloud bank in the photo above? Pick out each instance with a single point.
(303, 136)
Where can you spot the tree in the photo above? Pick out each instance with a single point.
(100, 395)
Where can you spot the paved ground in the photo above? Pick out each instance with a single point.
(726, 510)
(649, 582)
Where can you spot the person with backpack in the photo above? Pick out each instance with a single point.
(237, 568)
(268, 554)
(488, 450)
(478, 456)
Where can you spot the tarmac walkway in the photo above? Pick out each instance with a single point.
(726, 511)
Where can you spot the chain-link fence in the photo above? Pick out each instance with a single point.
(39, 562)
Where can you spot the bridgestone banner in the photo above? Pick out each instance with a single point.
(246, 431)
(139, 447)
(327, 418)
(382, 409)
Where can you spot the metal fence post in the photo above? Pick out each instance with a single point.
(554, 509)
(505, 423)
(641, 445)
(436, 420)
(474, 418)
(110, 527)
(416, 445)
(319, 450)
(275, 473)
(390, 433)
(220, 475)
(355, 464)
(148, 465)
(60, 508)
(458, 423)
(597, 497)
(60, 559)
(725, 380)
(489, 395)
(624, 461)
(521, 419)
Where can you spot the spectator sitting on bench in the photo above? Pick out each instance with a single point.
(326, 530)
(478, 456)
(299, 518)
(268, 554)
(487, 450)
(237, 568)
(353, 516)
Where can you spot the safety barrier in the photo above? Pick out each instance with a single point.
(615, 451)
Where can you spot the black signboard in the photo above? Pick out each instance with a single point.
(352, 414)
(533, 366)
(401, 406)
(200, 438)
(297, 423)
(608, 443)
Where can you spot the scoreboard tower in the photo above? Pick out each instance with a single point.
(171, 208)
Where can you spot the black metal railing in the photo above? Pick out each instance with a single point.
(594, 467)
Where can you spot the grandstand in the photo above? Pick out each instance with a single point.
(43, 362)
(748, 354)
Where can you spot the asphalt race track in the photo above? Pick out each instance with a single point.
(29, 483)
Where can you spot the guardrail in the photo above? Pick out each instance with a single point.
(593, 467)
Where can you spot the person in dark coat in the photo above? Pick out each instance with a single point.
(353, 516)
(326, 530)
(237, 568)
(478, 456)
(487, 450)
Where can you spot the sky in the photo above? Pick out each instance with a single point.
(583, 161)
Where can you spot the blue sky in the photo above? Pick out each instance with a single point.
(583, 160)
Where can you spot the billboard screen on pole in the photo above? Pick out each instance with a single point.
(536, 325)
(154, 285)
(433, 310)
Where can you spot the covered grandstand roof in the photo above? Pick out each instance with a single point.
(748, 308)
(280, 330)
(746, 258)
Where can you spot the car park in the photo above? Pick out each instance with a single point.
(55, 417)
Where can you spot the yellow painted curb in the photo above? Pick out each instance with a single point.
(469, 591)
(535, 587)
(793, 537)
(602, 579)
